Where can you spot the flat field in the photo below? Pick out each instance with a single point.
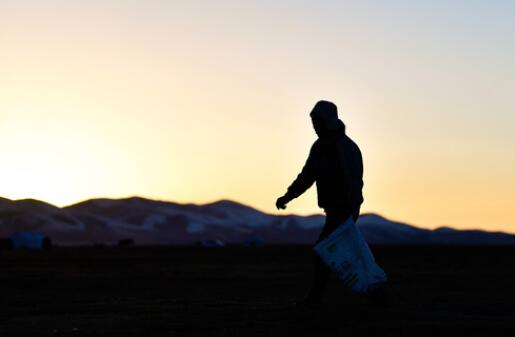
(237, 291)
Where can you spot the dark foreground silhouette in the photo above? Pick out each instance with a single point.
(335, 164)
(239, 291)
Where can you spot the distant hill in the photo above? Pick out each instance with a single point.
(159, 222)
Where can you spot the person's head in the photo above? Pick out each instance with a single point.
(325, 119)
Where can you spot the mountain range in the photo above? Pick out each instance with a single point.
(106, 221)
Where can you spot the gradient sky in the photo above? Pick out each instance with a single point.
(194, 101)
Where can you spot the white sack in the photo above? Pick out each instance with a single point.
(346, 253)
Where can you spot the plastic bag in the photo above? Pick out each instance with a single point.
(346, 253)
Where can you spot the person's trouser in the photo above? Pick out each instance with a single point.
(334, 218)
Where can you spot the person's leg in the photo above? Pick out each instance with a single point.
(320, 274)
(321, 270)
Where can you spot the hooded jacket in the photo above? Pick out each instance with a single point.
(336, 165)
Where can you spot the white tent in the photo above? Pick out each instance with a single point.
(30, 240)
(212, 243)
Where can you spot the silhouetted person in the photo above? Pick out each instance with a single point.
(336, 165)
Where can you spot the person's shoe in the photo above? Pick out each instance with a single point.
(379, 296)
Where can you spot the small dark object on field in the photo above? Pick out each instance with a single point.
(47, 243)
(126, 243)
(6, 244)
(254, 241)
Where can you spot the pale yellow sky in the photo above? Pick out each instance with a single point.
(196, 101)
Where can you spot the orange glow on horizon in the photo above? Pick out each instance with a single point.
(104, 99)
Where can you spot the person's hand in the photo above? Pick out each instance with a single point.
(281, 202)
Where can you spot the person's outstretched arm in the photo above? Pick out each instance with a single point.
(304, 180)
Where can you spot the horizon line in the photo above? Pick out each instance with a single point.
(249, 206)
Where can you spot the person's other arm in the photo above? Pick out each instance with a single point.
(357, 197)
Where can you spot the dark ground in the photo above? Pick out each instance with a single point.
(142, 291)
